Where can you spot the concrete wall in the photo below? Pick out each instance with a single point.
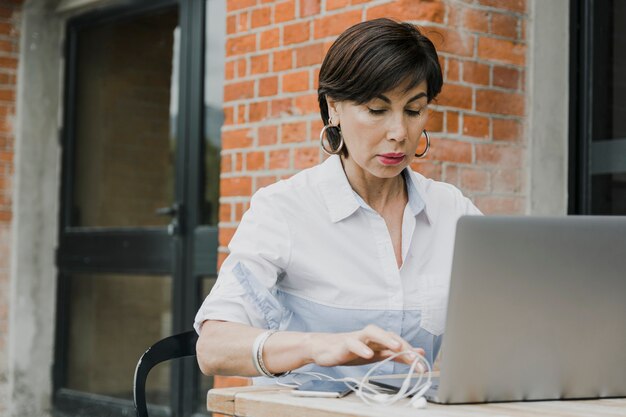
(548, 107)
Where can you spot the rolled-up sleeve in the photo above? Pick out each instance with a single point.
(259, 253)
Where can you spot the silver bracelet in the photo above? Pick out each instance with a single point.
(257, 355)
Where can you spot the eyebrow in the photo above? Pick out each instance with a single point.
(386, 99)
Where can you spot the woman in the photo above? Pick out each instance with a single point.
(347, 262)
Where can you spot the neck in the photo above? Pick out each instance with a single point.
(378, 193)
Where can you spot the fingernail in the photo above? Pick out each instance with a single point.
(394, 343)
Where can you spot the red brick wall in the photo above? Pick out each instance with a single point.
(9, 43)
(273, 53)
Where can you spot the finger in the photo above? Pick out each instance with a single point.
(379, 339)
(359, 348)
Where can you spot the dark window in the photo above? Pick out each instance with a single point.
(598, 108)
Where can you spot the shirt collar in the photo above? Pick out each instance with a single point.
(342, 201)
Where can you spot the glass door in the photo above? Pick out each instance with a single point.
(598, 109)
(138, 232)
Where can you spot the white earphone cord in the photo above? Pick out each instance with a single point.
(371, 394)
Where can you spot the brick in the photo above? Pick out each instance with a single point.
(474, 180)
(243, 22)
(476, 126)
(427, 168)
(502, 51)
(309, 55)
(231, 24)
(225, 234)
(270, 39)
(226, 163)
(232, 5)
(475, 20)
(336, 4)
(293, 132)
(6, 12)
(241, 68)
(453, 95)
(507, 130)
(284, 11)
(451, 151)
(255, 161)
(504, 25)
(451, 174)
(237, 45)
(306, 157)
(237, 91)
(295, 81)
(435, 121)
(475, 73)
(334, 24)
(258, 111)
(235, 187)
(452, 122)
(490, 101)
(229, 70)
(499, 155)
(228, 115)
(296, 33)
(518, 6)
(281, 107)
(261, 17)
(307, 104)
(282, 60)
(8, 29)
(5, 216)
(409, 10)
(451, 41)
(267, 135)
(268, 86)
(261, 182)
(309, 7)
(500, 205)
(259, 64)
(506, 77)
(225, 213)
(7, 46)
(236, 139)
(7, 94)
(315, 129)
(279, 159)
(453, 66)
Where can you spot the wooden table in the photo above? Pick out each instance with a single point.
(273, 401)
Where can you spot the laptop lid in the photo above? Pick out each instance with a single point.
(537, 310)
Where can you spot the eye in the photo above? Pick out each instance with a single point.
(376, 111)
(413, 113)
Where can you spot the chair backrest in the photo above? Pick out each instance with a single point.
(177, 346)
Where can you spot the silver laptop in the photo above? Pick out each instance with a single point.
(537, 310)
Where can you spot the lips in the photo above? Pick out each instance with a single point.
(393, 158)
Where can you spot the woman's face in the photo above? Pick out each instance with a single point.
(382, 135)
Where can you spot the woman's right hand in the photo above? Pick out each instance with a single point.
(370, 344)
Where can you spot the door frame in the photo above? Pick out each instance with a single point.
(186, 256)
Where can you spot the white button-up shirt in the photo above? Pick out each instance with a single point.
(311, 255)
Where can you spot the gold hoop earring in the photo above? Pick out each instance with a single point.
(423, 154)
(323, 136)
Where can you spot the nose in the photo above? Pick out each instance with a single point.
(397, 128)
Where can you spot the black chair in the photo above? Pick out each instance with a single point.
(177, 346)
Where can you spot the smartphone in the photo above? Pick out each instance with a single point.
(322, 388)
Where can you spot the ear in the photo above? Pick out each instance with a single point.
(334, 109)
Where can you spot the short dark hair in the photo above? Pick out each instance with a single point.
(373, 57)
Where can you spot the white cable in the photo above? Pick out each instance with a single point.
(372, 394)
